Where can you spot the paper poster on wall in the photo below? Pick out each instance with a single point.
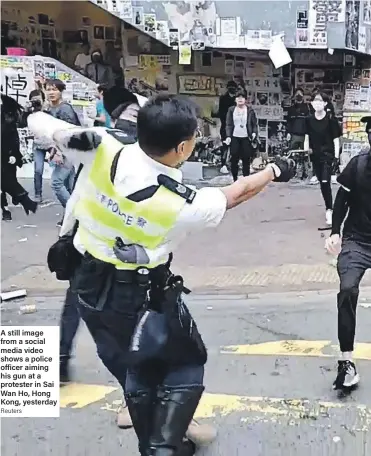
(196, 84)
(185, 54)
(229, 66)
(335, 10)
(317, 23)
(174, 38)
(302, 32)
(125, 9)
(228, 26)
(362, 44)
(366, 13)
(162, 31)
(352, 24)
(258, 39)
(150, 23)
(352, 95)
(138, 19)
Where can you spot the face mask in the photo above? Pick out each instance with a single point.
(318, 105)
(96, 58)
(299, 98)
(232, 92)
(130, 128)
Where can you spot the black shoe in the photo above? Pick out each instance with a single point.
(28, 204)
(7, 215)
(64, 372)
(347, 376)
(173, 412)
(59, 224)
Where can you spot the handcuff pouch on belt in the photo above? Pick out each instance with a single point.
(168, 334)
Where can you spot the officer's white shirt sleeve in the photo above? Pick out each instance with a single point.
(206, 211)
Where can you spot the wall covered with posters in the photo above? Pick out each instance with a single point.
(57, 29)
(357, 104)
(250, 24)
(18, 78)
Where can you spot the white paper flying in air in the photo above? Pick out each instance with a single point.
(278, 53)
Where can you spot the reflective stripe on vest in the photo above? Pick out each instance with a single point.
(103, 214)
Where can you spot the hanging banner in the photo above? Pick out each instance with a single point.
(352, 24)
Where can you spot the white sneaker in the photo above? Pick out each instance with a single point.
(334, 180)
(313, 180)
(329, 217)
(224, 170)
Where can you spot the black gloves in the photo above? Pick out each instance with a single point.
(86, 140)
(284, 169)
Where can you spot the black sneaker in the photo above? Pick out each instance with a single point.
(7, 215)
(347, 376)
(60, 223)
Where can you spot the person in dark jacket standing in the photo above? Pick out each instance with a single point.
(296, 120)
(225, 102)
(241, 130)
(353, 207)
(11, 157)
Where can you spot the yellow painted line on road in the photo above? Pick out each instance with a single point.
(259, 408)
(313, 348)
(79, 395)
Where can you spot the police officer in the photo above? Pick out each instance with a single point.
(352, 204)
(133, 204)
(123, 107)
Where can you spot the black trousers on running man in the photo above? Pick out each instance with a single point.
(353, 261)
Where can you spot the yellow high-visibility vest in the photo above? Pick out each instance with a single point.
(103, 214)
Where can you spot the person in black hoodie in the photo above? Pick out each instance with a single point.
(225, 102)
(11, 157)
(296, 120)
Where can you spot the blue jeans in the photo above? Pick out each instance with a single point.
(39, 160)
(63, 177)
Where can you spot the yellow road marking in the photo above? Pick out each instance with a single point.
(79, 395)
(221, 405)
(319, 348)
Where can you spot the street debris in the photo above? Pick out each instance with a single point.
(23, 240)
(27, 309)
(8, 295)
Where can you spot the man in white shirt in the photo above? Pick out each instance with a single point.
(83, 59)
(111, 297)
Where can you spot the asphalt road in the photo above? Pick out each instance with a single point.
(272, 361)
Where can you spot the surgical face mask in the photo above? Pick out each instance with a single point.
(299, 97)
(130, 128)
(318, 105)
(232, 92)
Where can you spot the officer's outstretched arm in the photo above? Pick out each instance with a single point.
(63, 133)
(243, 189)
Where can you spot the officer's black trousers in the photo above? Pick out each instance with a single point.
(112, 327)
(353, 261)
(69, 323)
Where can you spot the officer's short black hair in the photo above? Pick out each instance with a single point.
(57, 83)
(164, 122)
